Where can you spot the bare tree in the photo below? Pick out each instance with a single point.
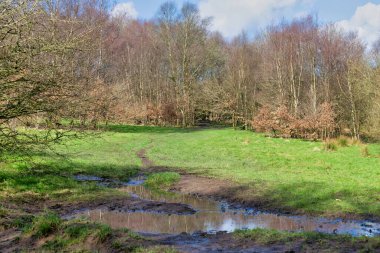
(38, 75)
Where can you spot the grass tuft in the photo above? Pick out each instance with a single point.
(77, 231)
(24, 222)
(364, 151)
(162, 180)
(104, 233)
(330, 145)
(55, 245)
(156, 249)
(343, 141)
(46, 224)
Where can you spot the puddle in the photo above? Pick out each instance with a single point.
(213, 216)
(108, 182)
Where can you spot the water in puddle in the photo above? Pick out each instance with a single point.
(213, 216)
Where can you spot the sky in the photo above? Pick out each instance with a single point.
(231, 17)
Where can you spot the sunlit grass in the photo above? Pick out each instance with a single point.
(288, 174)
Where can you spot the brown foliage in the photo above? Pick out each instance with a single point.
(284, 124)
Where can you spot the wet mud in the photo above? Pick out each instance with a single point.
(151, 211)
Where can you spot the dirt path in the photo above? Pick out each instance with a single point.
(144, 159)
(238, 196)
(220, 242)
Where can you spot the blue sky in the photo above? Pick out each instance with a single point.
(230, 17)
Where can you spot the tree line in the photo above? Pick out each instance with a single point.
(73, 60)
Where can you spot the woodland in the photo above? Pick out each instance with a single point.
(73, 64)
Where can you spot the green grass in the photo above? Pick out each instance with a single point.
(77, 231)
(162, 180)
(104, 233)
(78, 236)
(49, 175)
(294, 175)
(156, 249)
(290, 174)
(46, 224)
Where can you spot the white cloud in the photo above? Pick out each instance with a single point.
(365, 21)
(125, 9)
(230, 17)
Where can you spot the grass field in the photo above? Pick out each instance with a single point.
(49, 175)
(292, 174)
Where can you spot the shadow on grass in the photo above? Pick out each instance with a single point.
(307, 197)
(155, 129)
(144, 129)
(311, 198)
(56, 174)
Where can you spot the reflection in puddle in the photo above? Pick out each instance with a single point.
(213, 216)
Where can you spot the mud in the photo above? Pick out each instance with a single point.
(221, 242)
(8, 238)
(211, 216)
(139, 205)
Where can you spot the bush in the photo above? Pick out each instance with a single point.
(284, 124)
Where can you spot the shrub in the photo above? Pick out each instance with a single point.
(326, 120)
(263, 122)
(168, 113)
(284, 124)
